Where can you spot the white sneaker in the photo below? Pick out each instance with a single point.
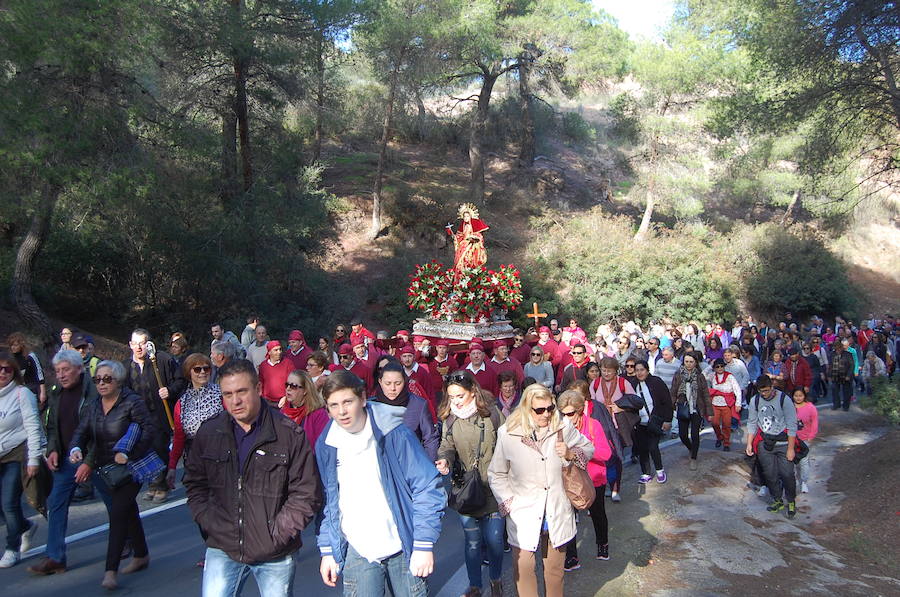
(28, 537)
(10, 558)
(763, 491)
(804, 488)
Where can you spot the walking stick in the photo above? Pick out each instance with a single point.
(151, 352)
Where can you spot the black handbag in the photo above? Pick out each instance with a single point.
(683, 411)
(631, 403)
(115, 475)
(467, 495)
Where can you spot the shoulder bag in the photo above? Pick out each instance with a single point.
(577, 483)
(115, 475)
(467, 495)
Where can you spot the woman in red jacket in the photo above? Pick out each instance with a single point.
(571, 405)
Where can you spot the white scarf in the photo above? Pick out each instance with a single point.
(464, 412)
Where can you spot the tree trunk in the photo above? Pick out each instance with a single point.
(476, 138)
(793, 209)
(240, 104)
(382, 150)
(320, 100)
(527, 151)
(644, 228)
(23, 275)
(422, 116)
(229, 155)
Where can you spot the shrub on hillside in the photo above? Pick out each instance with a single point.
(885, 398)
(793, 272)
(604, 275)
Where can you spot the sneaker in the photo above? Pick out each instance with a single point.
(644, 479)
(148, 497)
(616, 497)
(571, 564)
(752, 487)
(804, 488)
(762, 491)
(792, 509)
(608, 491)
(776, 506)
(47, 567)
(160, 497)
(506, 548)
(28, 537)
(603, 552)
(10, 558)
(661, 476)
(692, 465)
(718, 443)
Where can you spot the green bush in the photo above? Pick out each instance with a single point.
(626, 125)
(885, 398)
(796, 272)
(577, 129)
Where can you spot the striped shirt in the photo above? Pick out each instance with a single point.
(666, 371)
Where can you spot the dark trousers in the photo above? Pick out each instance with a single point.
(841, 391)
(161, 447)
(601, 524)
(689, 432)
(124, 523)
(646, 446)
(778, 472)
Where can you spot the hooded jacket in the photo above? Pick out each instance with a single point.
(409, 479)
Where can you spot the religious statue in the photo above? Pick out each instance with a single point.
(468, 240)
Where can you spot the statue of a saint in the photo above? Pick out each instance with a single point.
(468, 240)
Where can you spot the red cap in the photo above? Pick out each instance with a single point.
(543, 329)
(272, 344)
(476, 346)
(418, 338)
(296, 335)
(408, 349)
(345, 349)
(402, 333)
(360, 340)
(442, 342)
(502, 342)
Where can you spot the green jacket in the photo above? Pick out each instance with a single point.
(459, 441)
(88, 396)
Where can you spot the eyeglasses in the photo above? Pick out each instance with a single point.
(293, 386)
(719, 367)
(536, 354)
(201, 369)
(543, 409)
(569, 414)
(577, 352)
(7, 369)
(346, 356)
(339, 330)
(629, 366)
(107, 379)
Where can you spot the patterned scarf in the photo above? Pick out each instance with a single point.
(198, 405)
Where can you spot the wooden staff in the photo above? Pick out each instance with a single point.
(151, 352)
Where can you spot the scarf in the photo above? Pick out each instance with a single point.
(198, 405)
(402, 398)
(294, 413)
(688, 389)
(466, 411)
(505, 406)
(608, 390)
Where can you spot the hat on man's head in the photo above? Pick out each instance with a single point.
(408, 349)
(543, 329)
(296, 335)
(442, 342)
(476, 346)
(80, 340)
(272, 344)
(345, 349)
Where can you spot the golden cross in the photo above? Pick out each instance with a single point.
(536, 316)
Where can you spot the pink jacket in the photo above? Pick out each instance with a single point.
(596, 468)
(807, 414)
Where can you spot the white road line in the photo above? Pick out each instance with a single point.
(34, 551)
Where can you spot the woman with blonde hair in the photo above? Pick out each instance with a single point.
(304, 405)
(468, 438)
(526, 477)
(572, 405)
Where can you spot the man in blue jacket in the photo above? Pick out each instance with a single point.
(373, 536)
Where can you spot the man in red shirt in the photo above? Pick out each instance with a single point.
(273, 374)
(357, 368)
(298, 351)
(550, 346)
(483, 372)
(358, 332)
(521, 350)
(442, 365)
(417, 371)
(501, 362)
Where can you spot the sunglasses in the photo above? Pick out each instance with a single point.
(577, 352)
(629, 366)
(456, 377)
(107, 379)
(569, 414)
(201, 369)
(339, 330)
(293, 386)
(346, 356)
(7, 369)
(536, 354)
(543, 409)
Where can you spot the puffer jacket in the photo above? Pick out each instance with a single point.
(256, 514)
(104, 430)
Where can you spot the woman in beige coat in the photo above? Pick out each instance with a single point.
(526, 477)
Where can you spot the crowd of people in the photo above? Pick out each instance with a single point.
(375, 435)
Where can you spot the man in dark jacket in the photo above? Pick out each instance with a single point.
(252, 487)
(141, 378)
(69, 401)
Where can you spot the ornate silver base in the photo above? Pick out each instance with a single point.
(491, 330)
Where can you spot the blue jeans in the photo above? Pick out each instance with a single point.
(58, 507)
(841, 393)
(223, 577)
(362, 578)
(488, 529)
(11, 499)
